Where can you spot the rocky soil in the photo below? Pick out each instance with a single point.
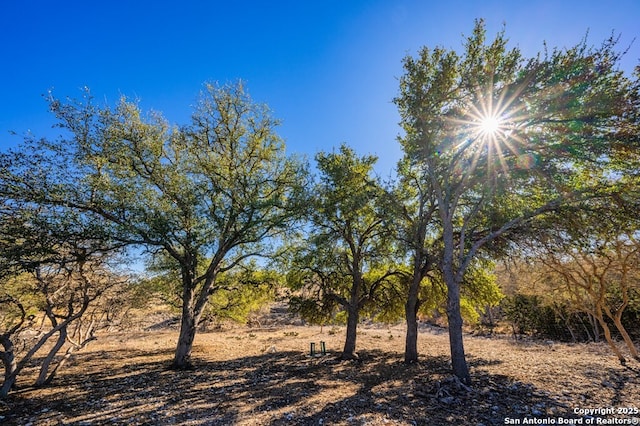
(266, 376)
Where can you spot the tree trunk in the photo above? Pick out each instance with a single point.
(489, 313)
(44, 368)
(454, 316)
(452, 279)
(10, 365)
(411, 314)
(188, 324)
(595, 328)
(66, 358)
(349, 351)
(609, 339)
(452, 276)
(586, 329)
(625, 336)
(571, 332)
(567, 323)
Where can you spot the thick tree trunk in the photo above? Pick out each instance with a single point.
(10, 365)
(411, 315)
(188, 324)
(44, 368)
(353, 313)
(454, 316)
(349, 351)
(452, 279)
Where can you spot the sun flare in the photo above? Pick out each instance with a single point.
(487, 132)
(490, 125)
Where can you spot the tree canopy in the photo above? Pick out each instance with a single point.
(505, 141)
(209, 194)
(347, 255)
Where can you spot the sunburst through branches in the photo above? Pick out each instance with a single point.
(488, 133)
(490, 125)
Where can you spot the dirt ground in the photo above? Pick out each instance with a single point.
(266, 376)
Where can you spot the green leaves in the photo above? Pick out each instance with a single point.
(558, 123)
(207, 195)
(346, 256)
(558, 115)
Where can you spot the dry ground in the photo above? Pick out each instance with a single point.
(248, 376)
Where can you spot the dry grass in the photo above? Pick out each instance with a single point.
(249, 376)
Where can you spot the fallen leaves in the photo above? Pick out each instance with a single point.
(124, 379)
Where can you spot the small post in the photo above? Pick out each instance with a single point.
(323, 348)
(313, 349)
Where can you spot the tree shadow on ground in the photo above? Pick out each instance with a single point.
(285, 388)
(427, 394)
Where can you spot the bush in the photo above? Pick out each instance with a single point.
(530, 315)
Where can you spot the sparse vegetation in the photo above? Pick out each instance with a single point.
(527, 163)
(123, 377)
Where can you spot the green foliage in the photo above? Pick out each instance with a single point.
(241, 293)
(388, 302)
(344, 260)
(312, 310)
(557, 114)
(19, 301)
(532, 315)
(208, 195)
(528, 314)
(479, 291)
(555, 134)
(236, 295)
(209, 190)
(480, 286)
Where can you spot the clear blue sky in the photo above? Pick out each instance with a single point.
(328, 69)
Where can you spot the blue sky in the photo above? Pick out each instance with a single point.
(328, 69)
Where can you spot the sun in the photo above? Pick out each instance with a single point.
(490, 125)
(486, 131)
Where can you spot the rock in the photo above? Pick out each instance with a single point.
(448, 400)
(536, 411)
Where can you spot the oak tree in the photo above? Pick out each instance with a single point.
(504, 141)
(209, 194)
(345, 257)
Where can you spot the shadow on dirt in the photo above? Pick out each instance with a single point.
(285, 388)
